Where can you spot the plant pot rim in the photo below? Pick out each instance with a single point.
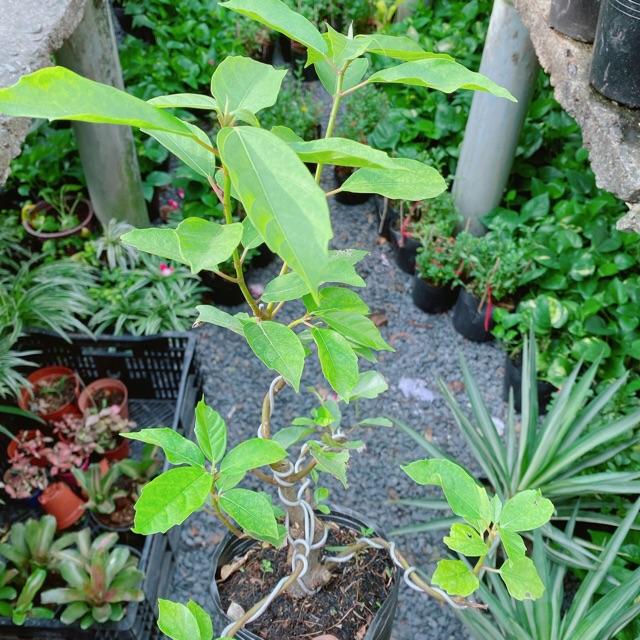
(336, 515)
(65, 233)
(86, 395)
(70, 516)
(35, 376)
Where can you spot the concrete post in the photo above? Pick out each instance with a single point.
(107, 152)
(494, 124)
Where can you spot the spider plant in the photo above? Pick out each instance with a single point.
(586, 617)
(561, 454)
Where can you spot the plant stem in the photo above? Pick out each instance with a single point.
(224, 276)
(354, 88)
(225, 521)
(331, 125)
(228, 216)
(270, 306)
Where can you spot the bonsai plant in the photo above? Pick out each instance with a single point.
(287, 210)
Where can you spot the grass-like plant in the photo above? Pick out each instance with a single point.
(287, 210)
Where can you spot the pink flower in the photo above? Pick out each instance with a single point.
(165, 269)
(173, 203)
(181, 193)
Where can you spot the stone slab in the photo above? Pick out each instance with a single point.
(30, 32)
(610, 131)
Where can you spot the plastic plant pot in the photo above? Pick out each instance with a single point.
(577, 19)
(62, 503)
(469, 318)
(382, 623)
(85, 215)
(90, 396)
(119, 453)
(222, 291)
(51, 374)
(432, 299)
(345, 197)
(616, 52)
(30, 434)
(513, 380)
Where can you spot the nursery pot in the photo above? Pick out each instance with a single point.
(469, 318)
(119, 453)
(59, 501)
(381, 624)
(222, 291)
(89, 397)
(430, 298)
(52, 373)
(12, 447)
(84, 212)
(616, 52)
(575, 18)
(344, 197)
(513, 380)
(406, 250)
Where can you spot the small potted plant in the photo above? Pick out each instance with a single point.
(362, 113)
(103, 393)
(102, 430)
(31, 445)
(53, 393)
(62, 503)
(435, 284)
(24, 481)
(60, 214)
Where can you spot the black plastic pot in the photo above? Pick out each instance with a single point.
(432, 299)
(513, 380)
(575, 18)
(222, 291)
(344, 197)
(231, 547)
(125, 535)
(406, 249)
(264, 258)
(615, 69)
(469, 318)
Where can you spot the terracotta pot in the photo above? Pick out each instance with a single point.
(12, 447)
(84, 212)
(65, 506)
(53, 373)
(85, 400)
(119, 453)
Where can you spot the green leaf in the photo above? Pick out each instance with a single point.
(466, 499)
(56, 93)
(211, 432)
(248, 455)
(171, 498)
(212, 315)
(242, 84)
(278, 347)
(203, 619)
(184, 101)
(204, 244)
(277, 16)
(342, 152)
(338, 361)
(197, 155)
(466, 540)
(177, 621)
(370, 385)
(251, 239)
(442, 74)
(356, 327)
(282, 200)
(522, 579)
(455, 577)
(513, 544)
(398, 47)
(527, 510)
(288, 436)
(407, 180)
(177, 448)
(337, 299)
(328, 74)
(331, 462)
(157, 242)
(288, 286)
(376, 422)
(252, 511)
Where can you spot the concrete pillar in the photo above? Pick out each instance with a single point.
(107, 152)
(494, 124)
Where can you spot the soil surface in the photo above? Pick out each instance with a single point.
(344, 608)
(51, 394)
(104, 398)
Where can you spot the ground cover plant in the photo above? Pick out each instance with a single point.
(265, 171)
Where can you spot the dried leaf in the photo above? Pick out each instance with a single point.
(231, 568)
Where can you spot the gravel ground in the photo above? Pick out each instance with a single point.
(427, 348)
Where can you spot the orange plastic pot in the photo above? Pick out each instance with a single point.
(63, 504)
(51, 373)
(86, 399)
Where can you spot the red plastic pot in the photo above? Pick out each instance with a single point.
(63, 504)
(54, 373)
(12, 447)
(86, 402)
(85, 214)
(119, 453)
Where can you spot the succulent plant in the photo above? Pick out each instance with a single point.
(8, 592)
(102, 429)
(101, 579)
(32, 546)
(23, 607)
(100, 487)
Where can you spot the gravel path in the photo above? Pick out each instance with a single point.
(427, 348)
